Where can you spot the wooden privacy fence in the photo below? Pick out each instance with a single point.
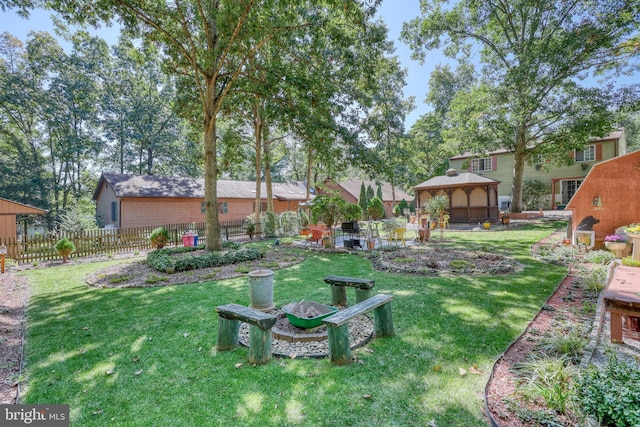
(41, 247)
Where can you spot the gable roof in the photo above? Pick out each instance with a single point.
(126, 185)
(352, 187)
(457, 180)
(9, 207)
(613, 136)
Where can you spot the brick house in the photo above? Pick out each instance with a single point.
(562, 181)
(350, 191)
(124, 200)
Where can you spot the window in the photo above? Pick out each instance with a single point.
(569, 188)
(263, 206)
(223, 208)
(114, 211)
(481, 165)
(587, 155)
(203, 209)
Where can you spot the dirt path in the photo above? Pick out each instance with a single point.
(13, 300)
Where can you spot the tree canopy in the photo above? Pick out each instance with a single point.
(530, 97)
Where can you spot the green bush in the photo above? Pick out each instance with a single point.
(159, 237)
(599, 257)
(271, 225)
(375, 208)
(611, 394)
(630, 262)
(549, 379)
(164, 258)
(64, 248)
(289, 223)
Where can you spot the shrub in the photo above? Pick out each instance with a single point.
(159, 237)
(352, 212)
(596, 278)
(611, 394)
(271, 225)
(290, 223)
(250, 225)
(64, 248)
(163, 259)
(549, 379)
(599, 257)
(630, 262)
(375, 208)
(569, 343)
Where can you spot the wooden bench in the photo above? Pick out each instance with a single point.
(260, 324)
(338, 288)
(622, 298)
(338, 325)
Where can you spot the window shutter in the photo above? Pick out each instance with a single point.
(572, 154)
(494, 163)
(598, 152)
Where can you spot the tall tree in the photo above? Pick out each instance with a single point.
(209, 44)
(22, 97)
(533, 53)
(385, 123)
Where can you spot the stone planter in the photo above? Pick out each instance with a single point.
(635, 240)
(616, 247)
(261, 290)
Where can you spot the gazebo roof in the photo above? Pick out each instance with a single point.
(454, 179)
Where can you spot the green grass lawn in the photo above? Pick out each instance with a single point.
(147, 357)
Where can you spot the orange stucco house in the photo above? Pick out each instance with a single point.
(608, 198)
(124, 201)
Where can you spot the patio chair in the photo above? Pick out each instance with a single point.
(444, 223)
(398, 235)
(316, 236)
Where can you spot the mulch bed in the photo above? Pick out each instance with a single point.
(565, 303)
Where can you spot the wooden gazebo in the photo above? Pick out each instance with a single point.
(472, 198)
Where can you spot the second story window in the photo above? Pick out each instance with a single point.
(481, 165)
(586, 155)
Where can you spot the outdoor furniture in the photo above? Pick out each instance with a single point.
(316, 236)
(444, 222)
(338, 325)
(338, 288)
(622, 298)
(398, 235)
(260, 324)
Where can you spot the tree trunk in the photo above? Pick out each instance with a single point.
(267, 168)
(518, 169)
(257, 129)
(214, 241)
(309, 158)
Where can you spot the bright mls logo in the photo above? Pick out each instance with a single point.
(34, 415)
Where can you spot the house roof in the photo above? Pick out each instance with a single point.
(613, 136)
(9, 207)
(126, 185)
(352, 187)
(457, 180)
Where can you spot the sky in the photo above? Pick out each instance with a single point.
(393, 12)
